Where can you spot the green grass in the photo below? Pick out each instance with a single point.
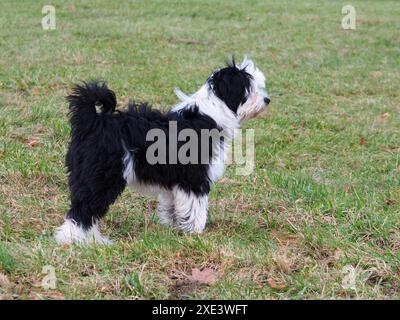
(325, 192)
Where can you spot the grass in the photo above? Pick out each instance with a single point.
(325, 193)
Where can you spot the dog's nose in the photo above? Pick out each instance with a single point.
(267, 101)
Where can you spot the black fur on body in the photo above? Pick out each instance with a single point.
(100, 140)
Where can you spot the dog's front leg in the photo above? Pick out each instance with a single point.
(190, 213)
(166, 207)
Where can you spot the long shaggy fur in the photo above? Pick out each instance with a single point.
(108, 150)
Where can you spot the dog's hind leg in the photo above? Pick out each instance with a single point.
(166, 207)
(190, 210)
(92, 192)
(82, 223)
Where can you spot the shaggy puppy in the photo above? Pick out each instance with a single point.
(148, 150)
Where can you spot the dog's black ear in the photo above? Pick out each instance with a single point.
(231, 85)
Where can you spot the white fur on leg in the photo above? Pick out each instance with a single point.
(71, 232)
(166, 207)
(190, 211)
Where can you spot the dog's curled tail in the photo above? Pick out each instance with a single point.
(84, 99)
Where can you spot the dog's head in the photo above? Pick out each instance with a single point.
(241, 88)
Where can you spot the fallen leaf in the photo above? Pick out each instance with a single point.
(390, 202)
(363, 141)
(32, 142)
(206, 276)
(275, 284)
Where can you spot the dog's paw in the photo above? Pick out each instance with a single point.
(70, 232)
(166, 220)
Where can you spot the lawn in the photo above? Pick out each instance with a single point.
(319, 218)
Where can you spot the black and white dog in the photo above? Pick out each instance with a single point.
(109, 149)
